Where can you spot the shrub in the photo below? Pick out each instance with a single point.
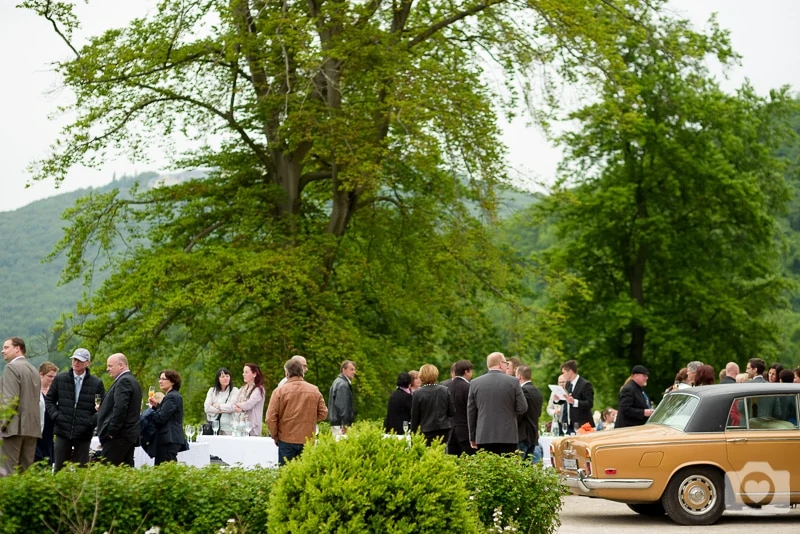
(508, 491)
(101, 498)
(369, 483)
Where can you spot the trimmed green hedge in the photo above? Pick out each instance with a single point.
(101, 498)
(508, 491)
(369, 483)
(364, 483)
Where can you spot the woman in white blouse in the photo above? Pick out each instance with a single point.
(220, 401)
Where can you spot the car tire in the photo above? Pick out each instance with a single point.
(695, 496)
(651, 509)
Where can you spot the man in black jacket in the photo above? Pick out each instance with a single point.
(70, 403)
(459, 391)
(118, 418)
(528, 422)
(634, 406)
(580, 398)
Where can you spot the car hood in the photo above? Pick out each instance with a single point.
(632, 434)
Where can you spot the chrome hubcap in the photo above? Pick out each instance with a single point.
(697, 495)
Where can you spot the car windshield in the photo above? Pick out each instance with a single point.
(675, 410)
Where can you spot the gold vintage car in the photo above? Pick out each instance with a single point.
(703, 449)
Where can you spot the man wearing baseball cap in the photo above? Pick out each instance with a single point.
(70, 403)
(634, 406)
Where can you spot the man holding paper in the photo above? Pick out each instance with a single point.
(578, 398)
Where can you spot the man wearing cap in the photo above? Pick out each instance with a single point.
(634, 406)
(70, 403)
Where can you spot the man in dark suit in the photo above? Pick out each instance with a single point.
(755, 369)
(528, 422)
(118, 418)
(580, 398)
(459, 392)
(731, 370)
(495, 399)
(634, 406)
(20, 388)
(398, 410)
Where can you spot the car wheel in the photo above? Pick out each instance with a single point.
(651, 509)
(695, 496)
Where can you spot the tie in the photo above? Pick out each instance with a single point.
(565, 415)
(78, 381)
(646, 400)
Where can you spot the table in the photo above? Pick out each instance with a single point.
(544, 443)
(247, 451)
(198, 455)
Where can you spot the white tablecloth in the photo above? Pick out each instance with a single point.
(198, 455)
(544, 442)
(249, 451)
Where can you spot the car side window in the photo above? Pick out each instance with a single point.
(764, 412)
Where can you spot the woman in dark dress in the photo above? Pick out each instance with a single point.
(168, 418)
(432, 406)
(398, 410)
(44, 445)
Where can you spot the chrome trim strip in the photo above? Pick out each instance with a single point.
(587, 484)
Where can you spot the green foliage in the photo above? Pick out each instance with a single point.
(102, 498)
(509, 491)
(368, 483)
(348, 209)
(666, 213)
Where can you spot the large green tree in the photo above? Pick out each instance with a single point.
(668, 246)
(353, 155)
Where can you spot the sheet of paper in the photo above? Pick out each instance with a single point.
(559, 391)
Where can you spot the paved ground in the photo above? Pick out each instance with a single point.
(582, 515)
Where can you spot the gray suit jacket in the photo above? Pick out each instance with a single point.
(495, 399)
(21, 381)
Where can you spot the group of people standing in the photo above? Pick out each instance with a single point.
(498, 411)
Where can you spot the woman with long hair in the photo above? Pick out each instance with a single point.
(220, 400)
(44, 445)
(251, 398)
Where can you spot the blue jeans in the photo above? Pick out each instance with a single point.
(287, 451)
(529, 449)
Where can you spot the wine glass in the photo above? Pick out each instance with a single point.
(406, 426)
(190, 431)
(564, 428)
(151, 392)
(97, 399)
(215, 426)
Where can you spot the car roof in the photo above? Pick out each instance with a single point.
(737, 390)
(711, 414)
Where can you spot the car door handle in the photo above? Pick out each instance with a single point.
(739, 440)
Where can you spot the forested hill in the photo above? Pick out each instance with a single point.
(34, 299)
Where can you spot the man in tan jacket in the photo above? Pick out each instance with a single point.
(293, 412)
(20, 391)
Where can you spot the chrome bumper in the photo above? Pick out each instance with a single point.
(586, 484)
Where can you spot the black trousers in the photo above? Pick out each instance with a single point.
(442, 435)
(70, 450)
(456, 447)
(168, 452)
(118, 451)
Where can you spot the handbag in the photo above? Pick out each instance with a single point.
(207, 429)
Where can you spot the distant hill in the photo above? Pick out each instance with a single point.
(33, 299)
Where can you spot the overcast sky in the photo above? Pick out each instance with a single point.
(765, 33)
